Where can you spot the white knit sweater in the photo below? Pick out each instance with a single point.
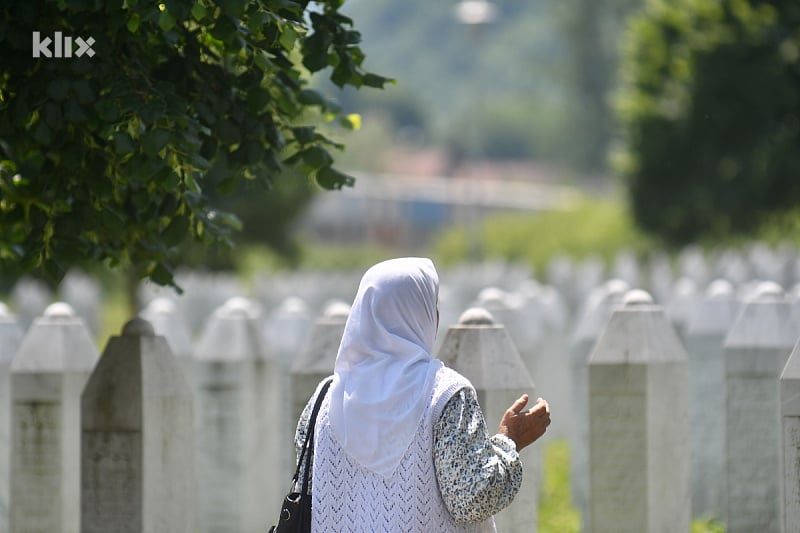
(349, 498)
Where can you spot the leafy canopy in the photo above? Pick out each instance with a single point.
(710, 106)
(115, 157)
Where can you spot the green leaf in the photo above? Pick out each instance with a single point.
(232, 8)
(134, 22)
(257, 99)
(288, 37)
(53, 116)
(123, 144)
(83, 90)
(228, 185)
(42, 134)
(154, 141)
(311, 97)
(161, 275)
(198, 11)
(73, 112)
(316, 157)
(176, 231)
(166, 20)
(198, 161)
(304, 134)
(58, 89)
(373, 80)
(330, 178)
(231, 221)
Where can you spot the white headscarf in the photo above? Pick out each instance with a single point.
(383, 376)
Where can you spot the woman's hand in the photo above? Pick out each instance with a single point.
(524, 427)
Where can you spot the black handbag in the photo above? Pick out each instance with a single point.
(296, 510)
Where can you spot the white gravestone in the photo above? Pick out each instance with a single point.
(483, 352)
(237, 456)
(317, 358)
(10, 338)
(592, 320)
(692, 264)
(626, 267)
(30, 298)
(790, 444)
(544, 324)
(638, 424)
(84, 295)
(162, 314)
(137, 441)
(660, 278)
(682, 303)
(48, 374)
(707, 327)
(756, 350)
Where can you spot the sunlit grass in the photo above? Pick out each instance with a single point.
(556, 513)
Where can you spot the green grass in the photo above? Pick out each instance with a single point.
(556, 513)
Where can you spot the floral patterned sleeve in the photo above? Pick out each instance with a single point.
(478, 475)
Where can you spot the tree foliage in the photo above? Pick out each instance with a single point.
(711, 114)
(117, 157)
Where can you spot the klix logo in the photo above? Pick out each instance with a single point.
(62, 46)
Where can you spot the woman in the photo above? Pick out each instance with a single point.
(401, 443)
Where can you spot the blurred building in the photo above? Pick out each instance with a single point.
(407, 211)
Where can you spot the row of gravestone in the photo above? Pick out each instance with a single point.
(584, 336)
(125, 442)
(657, 411)
(573, 279)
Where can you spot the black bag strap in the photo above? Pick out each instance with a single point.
(308, 445)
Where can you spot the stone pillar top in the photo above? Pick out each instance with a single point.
(492, 297)
(765, 320)
(638, 333)
(58, 341)
(238, 307)
(483, 351)
(476, 316)
(636, 298)
(720, 289)
(715, 311)
(768, 291)
(59, 310)
(292, 305)
(336, 309)
(597, 308)
(232, 333)
(138, 327)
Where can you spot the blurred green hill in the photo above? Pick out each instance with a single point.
(532, 84)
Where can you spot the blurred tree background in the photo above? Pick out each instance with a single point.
(710, 109)
(532, 84)
(685, 110)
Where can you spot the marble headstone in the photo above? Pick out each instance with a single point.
(10, 339)
(137, 440)
(707, 327)
(638, 424)
(757, 347)
(483, 352)
(48, 374)
(790, 444)
(238, 460)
